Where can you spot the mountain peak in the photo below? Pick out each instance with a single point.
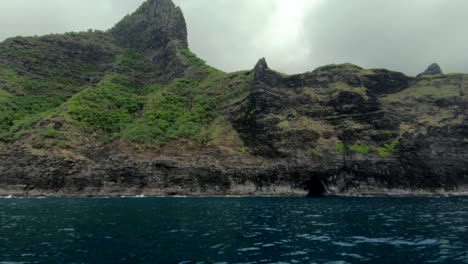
(433, 69)
(261, 68)
(155, 24)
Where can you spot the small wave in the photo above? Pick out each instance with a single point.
(27, 255)
(269, 229)
(314, 216)
(323, 224)
(314, 237)
(343, 244)
(67, 230)
(248, 249)
(217, 246)
(355, 256)
(173, 231)
(296, 253)
(395, 241)
(361, 239)
(268, 245)
(297, 212)
(250, 235)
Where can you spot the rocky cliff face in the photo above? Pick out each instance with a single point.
(157, 29)
(132, 111)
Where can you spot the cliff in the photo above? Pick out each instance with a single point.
(133, 111)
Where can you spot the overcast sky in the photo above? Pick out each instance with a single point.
(294, 35)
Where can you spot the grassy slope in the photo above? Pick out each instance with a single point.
(38, 74)
(77, 104)
(432, 101)
(121, 106)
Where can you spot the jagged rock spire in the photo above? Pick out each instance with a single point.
(260, 69)
(153, 25)
(433, 69)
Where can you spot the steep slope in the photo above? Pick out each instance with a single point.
(133, 110)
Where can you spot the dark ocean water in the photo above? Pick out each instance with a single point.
(234, 230)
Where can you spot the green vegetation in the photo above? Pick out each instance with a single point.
(51, 137)
(107, 108)
(337, 87)
(46, 66)
(24, 85)
(15, 112)
(341, 148)
(333, 68)
(192, 58)
(425, 91)
(388, 149)
(131, 59)
(361, 90)
(244, 150)
(198, 69)
(315, 152)
(431, 88)
(42, 82)
(363, 149)
(169, 116)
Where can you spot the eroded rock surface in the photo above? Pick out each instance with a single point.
(339, 129)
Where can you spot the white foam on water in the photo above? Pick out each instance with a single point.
(250, 235)
(310, 216)
(355, 256)
(343, 244)
(217, 246)
(248, 249)
(268, 245)
(314, 237)
(67, 230)
(361, 239)
(296, 253)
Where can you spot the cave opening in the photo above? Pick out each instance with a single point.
(315, 187)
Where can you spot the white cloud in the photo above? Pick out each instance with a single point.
(294, 35)
(282, 38)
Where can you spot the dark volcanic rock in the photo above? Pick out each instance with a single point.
(385, 81)
(155, 24)
(433, 69)
(158, 30)
(339, 129)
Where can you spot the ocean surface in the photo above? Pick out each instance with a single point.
(234, 230)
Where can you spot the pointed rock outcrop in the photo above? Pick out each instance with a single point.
(433, 69)
(157, 30)
(155, 24)
(261, 68)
